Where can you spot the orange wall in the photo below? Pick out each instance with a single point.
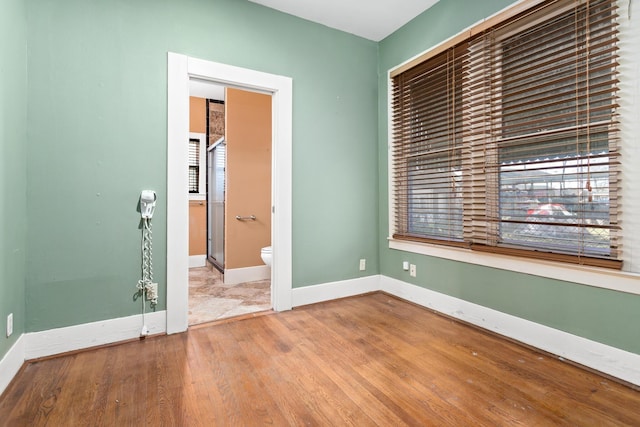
(248, 138)
(197, 209)
(197, 115)
(197, 227)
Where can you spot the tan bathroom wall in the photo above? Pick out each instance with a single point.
(197, 209)
(197, 227)
(248, 138)
(197, 115)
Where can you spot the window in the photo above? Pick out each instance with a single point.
(197, 165)
(194, 165)
(506, 141)
(428, 110)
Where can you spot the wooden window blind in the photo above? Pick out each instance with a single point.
(427, 117)
(507, 140)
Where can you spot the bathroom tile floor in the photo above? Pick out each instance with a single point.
(210, 299)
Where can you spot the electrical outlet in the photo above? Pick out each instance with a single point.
(363, 264)
(152, 292)
(9, 325)
(412, 270)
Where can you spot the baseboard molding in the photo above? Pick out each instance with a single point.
(86, 335)
(11, 363)
(197, 261)
(234, 276)
(601, 357)
(334, 290)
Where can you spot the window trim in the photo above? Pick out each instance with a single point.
(598, 277)
(625, 280)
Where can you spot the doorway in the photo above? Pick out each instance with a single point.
(230, 216)
(181, 70)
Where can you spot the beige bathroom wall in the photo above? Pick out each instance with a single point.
(197, 227)
(197, 209)
(248, 138)
(197, 115)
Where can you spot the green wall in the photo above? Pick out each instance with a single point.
(97, 116)
(597, 314)
(97, 123)
(13, 167)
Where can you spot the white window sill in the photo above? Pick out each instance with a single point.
(591, 276)
(200, 197)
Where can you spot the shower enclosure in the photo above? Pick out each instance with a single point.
(216, 164)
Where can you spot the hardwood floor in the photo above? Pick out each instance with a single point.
(367, 360)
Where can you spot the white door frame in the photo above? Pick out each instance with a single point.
(180, 69)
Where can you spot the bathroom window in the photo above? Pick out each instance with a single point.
(194, 165)
(197, 165)
(506, 141)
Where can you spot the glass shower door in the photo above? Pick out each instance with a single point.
(216, 164)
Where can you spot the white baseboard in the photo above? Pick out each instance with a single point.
(197, 261)
(601, 357)
(334, 290)
(234, 276)
(61, 340)
(11, 363)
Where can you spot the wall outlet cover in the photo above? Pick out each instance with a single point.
(412, 270)
(9, 325)
(152, 292)
(363, 264)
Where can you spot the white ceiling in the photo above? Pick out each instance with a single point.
(371, 19)
(204, 89)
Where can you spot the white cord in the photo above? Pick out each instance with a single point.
(146, 287)
(147, 252)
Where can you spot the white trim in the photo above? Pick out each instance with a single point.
(233, 276)
(86, 335)
(180, 69)
(334, 290)
(197, 261)
(592, 276)
(177, 181)
(601, 357)
(11, 363)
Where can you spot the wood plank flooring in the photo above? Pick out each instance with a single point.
(361, 361)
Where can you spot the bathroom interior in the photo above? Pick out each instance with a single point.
(229, 202)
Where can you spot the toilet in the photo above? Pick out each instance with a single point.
(265, 254)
